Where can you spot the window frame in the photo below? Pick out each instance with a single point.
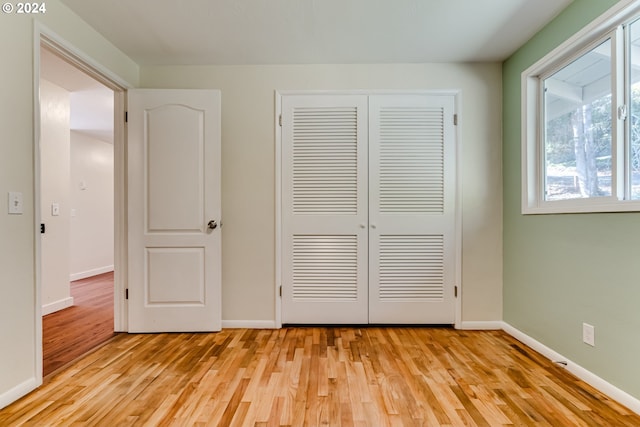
(607, 26)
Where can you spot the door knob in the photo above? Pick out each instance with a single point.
(212, 224)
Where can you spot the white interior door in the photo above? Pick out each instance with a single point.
(412, 229)
(324, 209)
(174, 210)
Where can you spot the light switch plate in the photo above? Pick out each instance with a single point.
(55, 209)
(15, 203)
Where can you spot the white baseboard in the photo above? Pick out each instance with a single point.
(52, 307)
(589, 377)
(90, 273)
(17, 392)
(249, 324)
(481, 326)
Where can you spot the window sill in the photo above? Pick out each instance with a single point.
(581, 206)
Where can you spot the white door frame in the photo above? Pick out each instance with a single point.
(278, 182)
(47, 38)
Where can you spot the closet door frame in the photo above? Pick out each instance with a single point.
(456, 94)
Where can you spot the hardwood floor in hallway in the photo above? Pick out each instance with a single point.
(316, 376)
(68, 334)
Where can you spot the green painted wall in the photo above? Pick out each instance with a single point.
(563, 270)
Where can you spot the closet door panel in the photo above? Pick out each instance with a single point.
(411, 209)
(324, 209)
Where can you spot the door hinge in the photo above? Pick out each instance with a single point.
(42, 228)
(281, 291)
(455, 120)
(126, 293)
(280, 120)
(455, 291)
(126, 117)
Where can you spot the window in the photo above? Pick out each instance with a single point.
(577, 127)
(581, 120)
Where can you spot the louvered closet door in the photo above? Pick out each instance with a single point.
(411, 209)
(324, 209)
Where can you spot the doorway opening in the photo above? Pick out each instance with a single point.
(80, 188)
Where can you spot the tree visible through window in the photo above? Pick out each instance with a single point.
(578, 128)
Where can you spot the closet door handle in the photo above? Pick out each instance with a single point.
(212, 224)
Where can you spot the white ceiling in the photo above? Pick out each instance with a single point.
(229, 32)
(234, 32)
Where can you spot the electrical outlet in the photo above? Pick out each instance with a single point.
(588, 334)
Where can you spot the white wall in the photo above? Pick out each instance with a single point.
(248, 168)
(17, 273)
(55, 145)
(91, 184)
(20, 370)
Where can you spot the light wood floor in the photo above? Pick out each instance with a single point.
(316, 376)
(68, 334)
